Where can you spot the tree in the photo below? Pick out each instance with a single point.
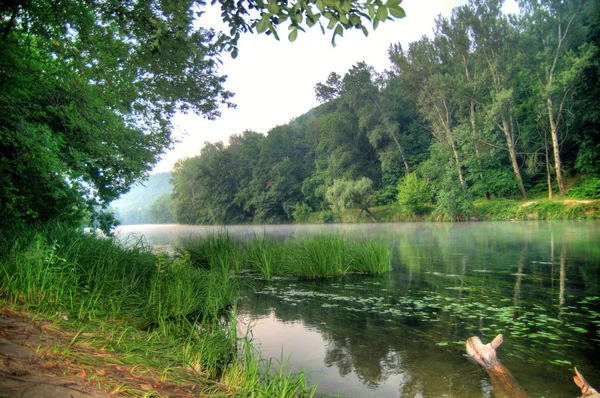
(557, 61)
(351, 194)
(496, 43)
(89, 88)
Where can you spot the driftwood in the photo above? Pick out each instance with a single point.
(504, 384)
(586, 390)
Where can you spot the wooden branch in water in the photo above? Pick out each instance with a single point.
(586, 390)
(504, 385)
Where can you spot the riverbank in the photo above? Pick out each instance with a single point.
(118, 317)
(482, 210)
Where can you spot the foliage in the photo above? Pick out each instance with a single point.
(348, 194)
(453, 203)
(470, 110)
(413, 193)
(587, 187)
(301, 212)
(90, 89)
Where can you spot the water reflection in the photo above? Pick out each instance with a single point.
(403, 334)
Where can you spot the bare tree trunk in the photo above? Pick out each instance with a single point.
(458, 167)
(401, 150)
(556, 148)
(366, 210)
(510, 143)
(548, 170)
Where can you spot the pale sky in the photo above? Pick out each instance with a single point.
(274, 81)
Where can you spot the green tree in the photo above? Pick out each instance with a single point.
(558, 61)
(351, 194)
(89, 88)
(413, 193)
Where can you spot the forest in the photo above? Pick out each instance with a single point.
(492, 106)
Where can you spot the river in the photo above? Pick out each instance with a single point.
(402, 334)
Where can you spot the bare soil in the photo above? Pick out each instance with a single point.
(38, 360)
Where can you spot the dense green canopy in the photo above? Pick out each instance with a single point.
(89, 87)
(491, 106)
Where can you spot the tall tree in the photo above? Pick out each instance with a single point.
(551, 29)
(496, 46)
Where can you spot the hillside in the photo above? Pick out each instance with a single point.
(135, 206)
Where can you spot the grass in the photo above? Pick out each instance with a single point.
(319, 256)
(543, 209)
(154, 313)
(169, 316)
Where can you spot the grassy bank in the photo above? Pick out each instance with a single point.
(170, 316)
(482, 210)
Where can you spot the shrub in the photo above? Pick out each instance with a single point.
(301, 212)
(586, 188)
(413, 193)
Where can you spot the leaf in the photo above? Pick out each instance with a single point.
(339, 30)
(365, 30)
(382, 13)
(293, 35)
(263, 24)
(397, 12)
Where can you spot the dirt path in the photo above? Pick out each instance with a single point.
(23, 373)
(38, 360)
(566, 202)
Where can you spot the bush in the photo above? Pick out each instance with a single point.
(413, 193)
(453, 203)
(327, 217)
(301, 212)
(585, 188)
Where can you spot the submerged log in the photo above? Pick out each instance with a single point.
(586, 390)
(504, 385)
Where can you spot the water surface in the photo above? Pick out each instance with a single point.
(402, 334)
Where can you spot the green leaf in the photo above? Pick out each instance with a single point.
(263, 24)
(293, 35)
(365, 30)
(234, 53)
(332, 22)
(382, 13)
(397, 13)
(339, 30)
(273, 8)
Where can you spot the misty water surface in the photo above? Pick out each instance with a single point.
(402, 334)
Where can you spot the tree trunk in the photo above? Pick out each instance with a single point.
(504, 384)
(366, 210)
(401, 150)
(548, 170)
(510, 143)
(556, 148)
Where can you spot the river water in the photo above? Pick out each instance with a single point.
(402, 334)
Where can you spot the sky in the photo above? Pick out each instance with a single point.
(274, 81)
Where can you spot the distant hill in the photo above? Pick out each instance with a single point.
(134, 207)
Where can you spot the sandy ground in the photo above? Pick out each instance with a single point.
(23, 373)
(33, 364)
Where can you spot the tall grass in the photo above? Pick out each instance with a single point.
(181, 309)
(319, 256)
